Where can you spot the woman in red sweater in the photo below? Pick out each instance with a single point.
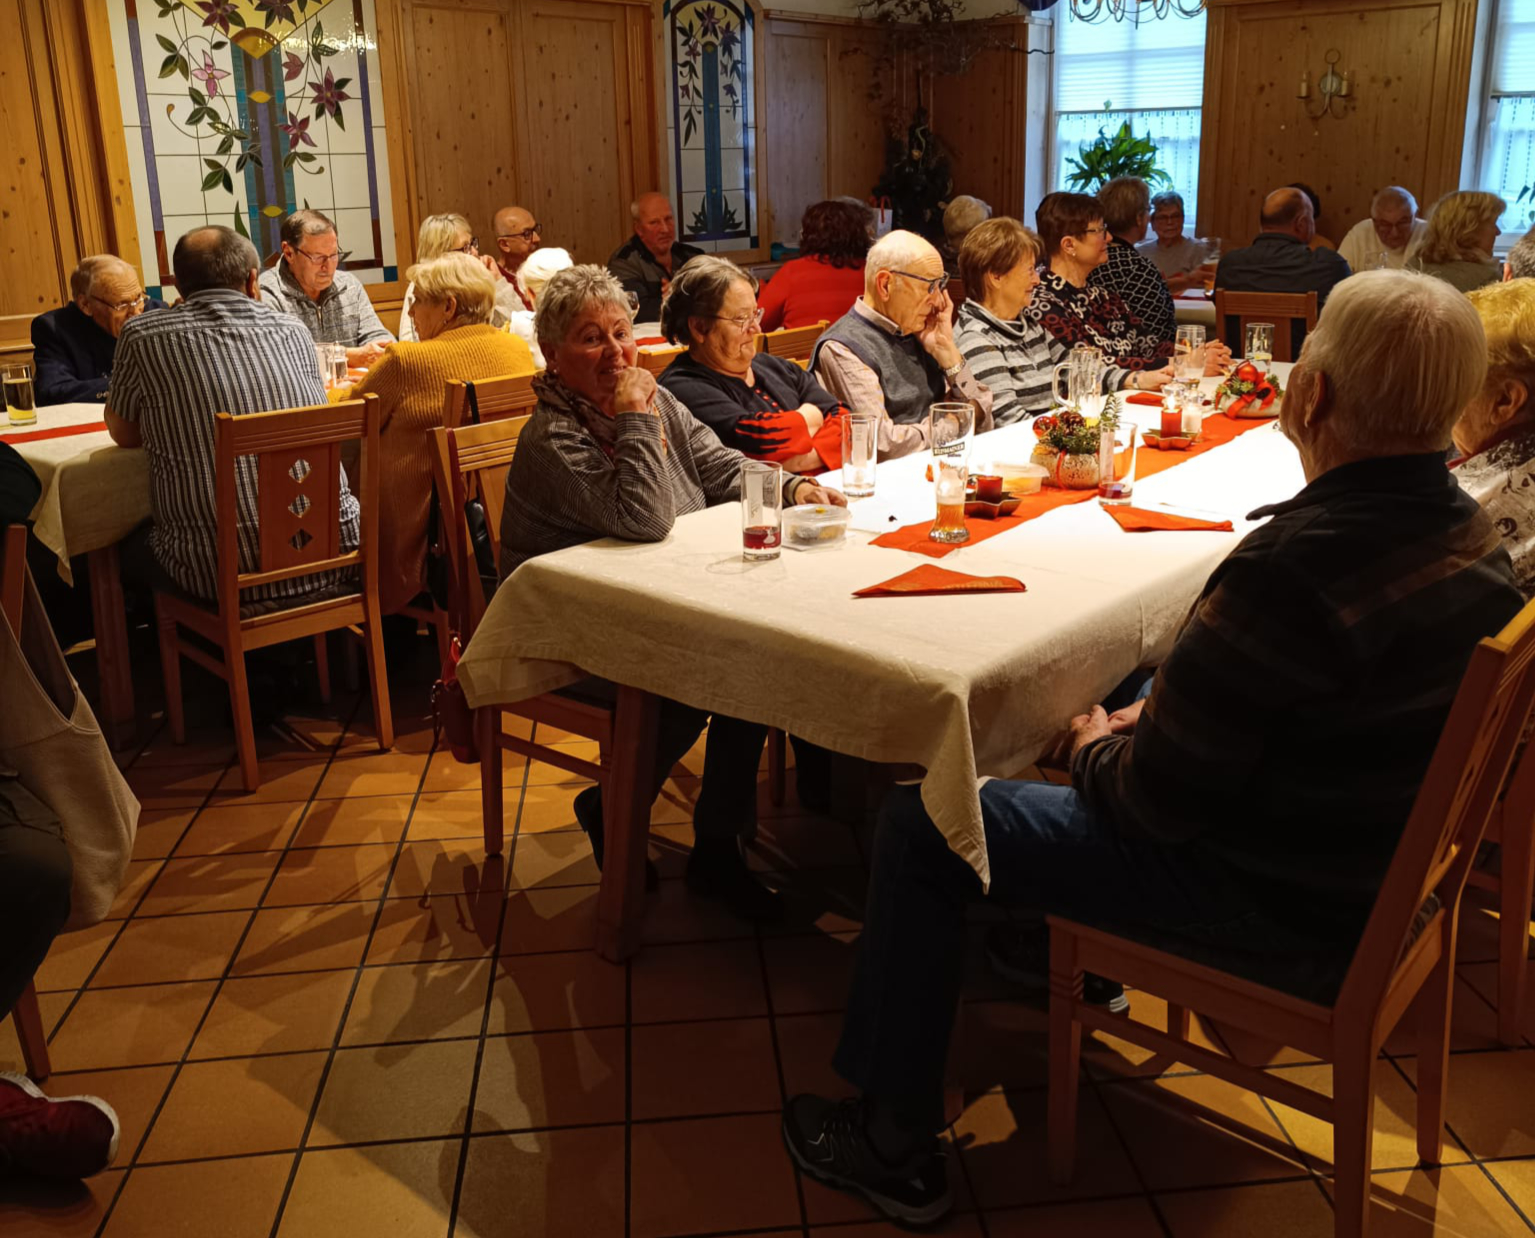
(827, 277)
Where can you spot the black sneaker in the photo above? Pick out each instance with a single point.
(829, 1140)
(588, 806)
(1020, 954)
(719, 871)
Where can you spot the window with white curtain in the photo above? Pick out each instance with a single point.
(1508, 143)
(1152, 75)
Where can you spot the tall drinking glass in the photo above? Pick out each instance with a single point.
(860, 450)
(20, 399)
(1189, 354)
(950, 427)
(761, 509)
(1260, 344)
(1116, 463)
(1212, 259)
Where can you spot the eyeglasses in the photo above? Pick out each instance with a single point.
(1166, 219)
(472, 248)
(120, 307)
(527, 234)
(743, 324)
(1098, 231)
(1392, 225)
(933, 285)
(325, 260)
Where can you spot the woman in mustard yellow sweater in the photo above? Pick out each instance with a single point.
(454, 296)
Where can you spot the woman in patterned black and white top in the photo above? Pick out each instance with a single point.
(1496, 433)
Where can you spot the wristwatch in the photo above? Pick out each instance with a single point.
(952, 372)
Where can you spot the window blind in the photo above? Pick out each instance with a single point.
(1513, 44)
(1158, 64)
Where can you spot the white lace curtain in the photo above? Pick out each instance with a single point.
(1508, 164)
(1174, 130)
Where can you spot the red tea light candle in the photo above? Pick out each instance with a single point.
(988, 488)
(1172, 420)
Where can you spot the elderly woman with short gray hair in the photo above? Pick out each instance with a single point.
(608, 453)
(765, 407)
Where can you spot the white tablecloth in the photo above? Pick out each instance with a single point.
(94, 492)
(966, 686)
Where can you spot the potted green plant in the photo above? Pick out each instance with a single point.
(1111, 155)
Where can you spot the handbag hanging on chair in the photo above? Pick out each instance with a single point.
(50, 737)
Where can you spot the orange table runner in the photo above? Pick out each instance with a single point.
(34, 436)
(1218, 429)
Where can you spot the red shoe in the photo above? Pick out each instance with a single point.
(42, 1137)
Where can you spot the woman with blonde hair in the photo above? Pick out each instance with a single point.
(454, 298)
(1496, 432)
(450, 233)
(1457, 246)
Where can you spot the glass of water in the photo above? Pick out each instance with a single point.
(1260, 344)
(860, 449)
(1189, 354)
(20, 399)
(761, 509)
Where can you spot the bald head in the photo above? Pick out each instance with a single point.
(654, 223)
(1289, 211)
(107, 291)
(898, 279)
(214, 257)
(516, 235)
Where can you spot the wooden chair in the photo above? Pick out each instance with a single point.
(1513, 828)
(1283, 309)
(488, 399)
(1408, 949)
(13, 589)
(298, 469)
(658, 359)
(793, 344)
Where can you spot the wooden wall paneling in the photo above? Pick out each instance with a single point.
(394, 55)
(797, 60)
(1410, 64)
(980, 115)
(589, 140)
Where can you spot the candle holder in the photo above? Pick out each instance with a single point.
(1332, 87)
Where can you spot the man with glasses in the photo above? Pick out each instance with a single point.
(893, 354)
(308, 283)
(517, 236)
(73, 346)
(1389, 237)
(644, 264)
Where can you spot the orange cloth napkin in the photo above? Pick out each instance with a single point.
(1144, 397)
(1139, 520)
(930, 578)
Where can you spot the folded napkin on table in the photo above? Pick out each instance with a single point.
(1144, 397)
(1139, 520)
(648, 340)
(930, 578)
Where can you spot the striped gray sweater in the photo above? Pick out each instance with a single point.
(1015, 360)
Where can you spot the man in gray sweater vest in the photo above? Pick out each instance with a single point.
(893, 353)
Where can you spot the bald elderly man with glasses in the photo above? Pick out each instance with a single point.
(893, 353)
(308, 283)
(73, 347)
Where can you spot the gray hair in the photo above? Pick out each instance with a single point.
(1124, 199)
(1390, 400)
(568, 293)
(962, 214)
(1167, 198)
(213, 256)
(698, 291)
(1394, 193)
(305, 223)
(82, 281)
(1521, 258)
(893, 251)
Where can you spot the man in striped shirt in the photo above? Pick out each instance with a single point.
(1245, 811)
(219, 350)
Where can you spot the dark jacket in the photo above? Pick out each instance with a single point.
(72, 356)
(19, 487)
(1279, 262)
(637, 270)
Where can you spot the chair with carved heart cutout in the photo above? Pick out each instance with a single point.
(297, 454)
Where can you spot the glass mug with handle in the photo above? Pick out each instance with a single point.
(1084, 370)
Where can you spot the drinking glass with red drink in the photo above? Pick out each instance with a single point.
(761, 509)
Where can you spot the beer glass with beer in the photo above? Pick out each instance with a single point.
(950, 427)
(20, 399)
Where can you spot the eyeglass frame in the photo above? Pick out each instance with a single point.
(935, 283)
(524, 235)
(473, 247)
(117, 307)
(322, 260)
(741, 324)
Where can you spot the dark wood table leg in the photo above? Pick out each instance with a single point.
(113, 666)
(626, 818)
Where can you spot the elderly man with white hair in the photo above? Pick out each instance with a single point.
(1214, 814)
(646, 262)
(73, 347)
(893, 353)
(1389, 237)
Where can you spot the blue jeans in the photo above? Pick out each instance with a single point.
(1048, 854)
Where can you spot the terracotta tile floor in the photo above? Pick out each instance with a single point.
(321, 1012)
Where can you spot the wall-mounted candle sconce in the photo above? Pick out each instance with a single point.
(1332, 86)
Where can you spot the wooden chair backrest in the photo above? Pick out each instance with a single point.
(657, 360)
(510, 395)
(471, 463)
(13, 573)
(1451, 811)
(792, 343)
(956, 290)
(298, 493)
(1283, 309)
